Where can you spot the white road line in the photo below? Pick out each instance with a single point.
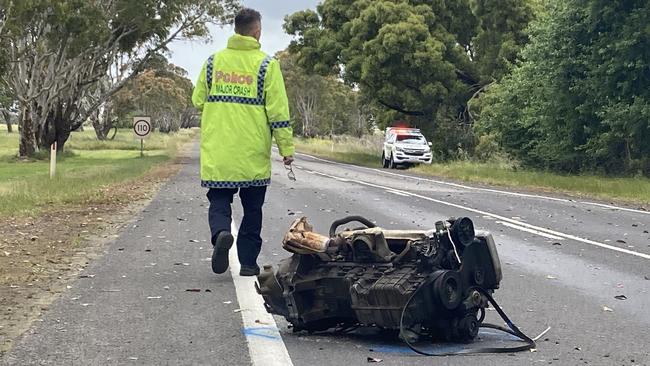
(503, 218)
(398, 193)
(265, 343)
(532, 231)
(456, 185)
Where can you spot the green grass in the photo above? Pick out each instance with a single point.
(83, 172)
(362, 152)
(345, 150)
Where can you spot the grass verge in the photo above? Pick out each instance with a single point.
(84, 172)
(368, 153)
(51, 229)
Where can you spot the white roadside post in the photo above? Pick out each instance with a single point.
(53, 160)
(142, 130)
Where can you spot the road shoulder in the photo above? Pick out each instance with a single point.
(41, 255)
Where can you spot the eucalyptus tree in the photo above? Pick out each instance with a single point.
(59, 51)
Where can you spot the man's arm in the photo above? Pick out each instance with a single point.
(200, 93)
(277, 110)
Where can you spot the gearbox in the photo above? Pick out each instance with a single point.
(368, 276)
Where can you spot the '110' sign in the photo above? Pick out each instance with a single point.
(142, 127)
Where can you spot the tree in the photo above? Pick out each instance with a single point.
(162, 91)
(500, 37)
(322, 104)
(422, 59)
(60, 49)
(6, 104)
(580, 101)
(306, 94)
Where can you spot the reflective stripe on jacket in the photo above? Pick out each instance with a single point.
(244, 104)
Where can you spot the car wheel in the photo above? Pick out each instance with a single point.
(384, 162)
(391, 163)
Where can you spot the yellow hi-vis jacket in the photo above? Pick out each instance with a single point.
(243, 101)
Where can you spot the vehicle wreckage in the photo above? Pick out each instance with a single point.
(421, 283)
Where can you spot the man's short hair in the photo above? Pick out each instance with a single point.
(246, 21)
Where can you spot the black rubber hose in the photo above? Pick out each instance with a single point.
(347, 220)
(530, 344)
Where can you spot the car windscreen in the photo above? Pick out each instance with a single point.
(412, 139)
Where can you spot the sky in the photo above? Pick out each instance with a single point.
(192, 55)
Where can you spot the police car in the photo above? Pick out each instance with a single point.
(405, 146)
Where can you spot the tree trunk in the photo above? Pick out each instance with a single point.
(56, 129)
(27, 147)
(102, 123)
(101, 129)
(7, 117)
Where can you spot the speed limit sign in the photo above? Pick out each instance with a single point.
(142, 127)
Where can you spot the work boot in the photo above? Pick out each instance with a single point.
(248, 271)
(220, 253)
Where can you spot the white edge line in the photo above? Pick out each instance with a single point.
(265, 343)
(399, 193)
(532, 231)
(505, 219)
(601, 205)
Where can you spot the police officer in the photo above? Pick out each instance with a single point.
(244, 105)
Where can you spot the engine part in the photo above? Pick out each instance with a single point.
(433, 283)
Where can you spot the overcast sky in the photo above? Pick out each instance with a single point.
(192, 55)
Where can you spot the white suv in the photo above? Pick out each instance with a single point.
(405, 146)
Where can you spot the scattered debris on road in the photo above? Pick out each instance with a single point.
(374, 360)
(620, 297)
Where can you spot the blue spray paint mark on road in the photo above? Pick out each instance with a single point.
(489, 336)
(263, 332)
(392, 349)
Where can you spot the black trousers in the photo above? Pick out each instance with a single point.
(249, 241)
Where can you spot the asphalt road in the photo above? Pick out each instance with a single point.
(564, 262)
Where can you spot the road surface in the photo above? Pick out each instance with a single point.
(564, 262)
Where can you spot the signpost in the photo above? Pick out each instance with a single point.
(142, 130)
(53, 160)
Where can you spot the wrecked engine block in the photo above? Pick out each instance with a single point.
(368, 276)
